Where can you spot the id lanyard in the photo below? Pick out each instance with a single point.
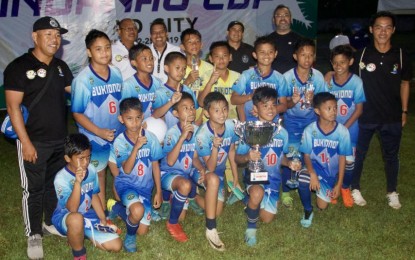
(159, 58)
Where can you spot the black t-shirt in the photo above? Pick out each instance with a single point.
(285, 47)
(382, 74)
(242, 58)
(47, 119)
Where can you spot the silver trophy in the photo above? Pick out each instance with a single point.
(256, 134)
(308, 95)
(293, 181)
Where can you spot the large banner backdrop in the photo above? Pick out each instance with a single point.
(210, 17)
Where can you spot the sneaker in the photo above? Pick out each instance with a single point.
(111, 213)
(130, 244)
(176, 231)
(35, 247)
(347, 198)
(165, 210)
(155, 215)
(50, 230)
(250, 236)
(357, 198)
(307, 222)
(196, 208)
(393, 200)
(214, 240)
(82, 257)
(287, 200)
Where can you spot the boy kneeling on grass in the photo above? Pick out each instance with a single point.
(77, 190)
(325, 145)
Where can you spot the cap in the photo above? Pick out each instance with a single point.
(48, 22)
(233, 23)
(338, 40)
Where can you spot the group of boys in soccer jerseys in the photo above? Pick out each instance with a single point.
(201, 151)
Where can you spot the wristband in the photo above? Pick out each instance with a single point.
(405, 112)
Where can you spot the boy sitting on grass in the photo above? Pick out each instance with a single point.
(79, 212)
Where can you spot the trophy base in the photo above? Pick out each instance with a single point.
(256, 177)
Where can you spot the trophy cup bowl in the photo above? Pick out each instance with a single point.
(256, 134)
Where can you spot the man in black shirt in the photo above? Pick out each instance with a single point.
(386, 72)
(284, 38)
(241, 52)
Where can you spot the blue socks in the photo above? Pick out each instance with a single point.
(120, 210)
(304, 191)
(131, 228)
(177, 204)
(348, 175)
(285, 176)
(252, 216)
(210, 223)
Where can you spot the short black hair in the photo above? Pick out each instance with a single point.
(190, 31)
(345, 50)
(172, 56)
(158, 21)
(265, 39)
(321, 98)
(93, 35)
(219, 44)
(185, 96)
(75, 144)
(302, 42)
(136, 50)
(264, 94)
(281, 7)
(213, 97)
(382, 14)
(130, 103)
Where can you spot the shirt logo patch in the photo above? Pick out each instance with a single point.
(371, 67)
(30, 74)
(395, 69)
(245, 58)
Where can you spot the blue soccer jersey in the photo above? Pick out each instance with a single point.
(64, 182)
(251, 79)
(133, 87)
(98, 99)
(163, 96)
(271, 155)
(299, 116)
(348, 95)
(204, 142)
(324, 149)
(141, 177)
(184, 162)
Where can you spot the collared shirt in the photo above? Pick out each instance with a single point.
(120, 60)
(159, 60)
(242, 58)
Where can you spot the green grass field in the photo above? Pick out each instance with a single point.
(375, 231)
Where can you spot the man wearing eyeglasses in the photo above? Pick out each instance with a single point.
(284, 38)
(128, 33)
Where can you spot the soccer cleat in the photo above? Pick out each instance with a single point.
(393, 200)
(130, 244)
(176, 231)
(333, 201)
(82, 257)
(165, 210)
(307, 222)
(357, 198)
(287, 200)
(35, 247)
(214, 240)
(196, 208)
(155, 215)
(50, 230)
(111, 213)
(250, 236)
(347, 198)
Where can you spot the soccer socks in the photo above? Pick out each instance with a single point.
(81, 254)
(166, 195)
(120, 210)
(131, 228)
(252, 216)
(177, 204)
(210, 223)
(348, 175)
(304, 191)
(285, 175)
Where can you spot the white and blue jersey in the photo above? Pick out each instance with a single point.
(271, 155)
(163, 96)
(133, 87)
(141, 177)
(348, 95)
(204, 143)
(64, 182)
(324, 150)
(298, 117)
(98, 99)
(184, 162)
(251, 79)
